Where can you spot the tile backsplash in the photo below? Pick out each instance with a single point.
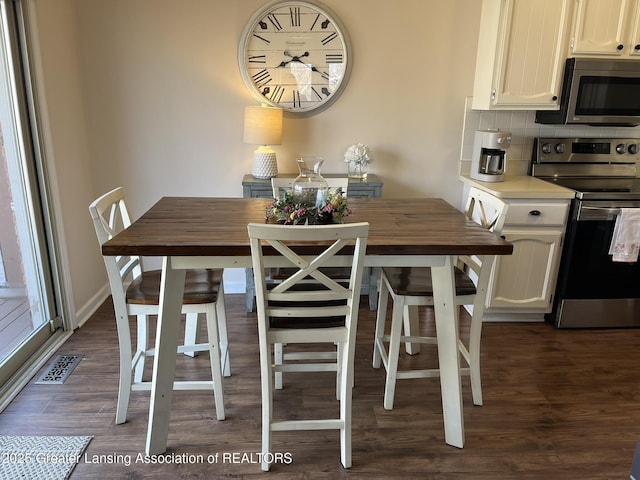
(523, 130)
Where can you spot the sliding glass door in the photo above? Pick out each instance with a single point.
(28, 309)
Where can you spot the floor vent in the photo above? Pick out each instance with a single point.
(59, 369)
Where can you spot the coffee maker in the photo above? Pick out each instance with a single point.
(489, 162)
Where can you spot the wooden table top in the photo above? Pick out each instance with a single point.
(204, 226)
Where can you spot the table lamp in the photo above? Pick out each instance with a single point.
(263, 126)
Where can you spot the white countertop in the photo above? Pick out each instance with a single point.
(521, 186)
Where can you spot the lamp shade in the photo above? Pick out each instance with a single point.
(263, 125)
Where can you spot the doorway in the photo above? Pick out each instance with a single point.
(28, 296)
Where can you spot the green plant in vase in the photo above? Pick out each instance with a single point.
(301, 209)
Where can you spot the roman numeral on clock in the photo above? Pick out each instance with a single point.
(261, 78)
(277, 93)
(313, 25)
(294, 13)
(324, 75)
(315, 92)
(257, 59)
(296, 99)
(274, 21)
(334, 58)
(329, 38)
(262, 38)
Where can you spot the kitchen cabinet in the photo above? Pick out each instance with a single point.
(522, 285)
(524, 282)
(521, 52)
(606, 28)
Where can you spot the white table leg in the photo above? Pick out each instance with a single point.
(164, 363)
(445, 312)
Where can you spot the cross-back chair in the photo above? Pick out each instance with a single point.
(136, 291)
(280, 184)
(410, 287)
(295, 311)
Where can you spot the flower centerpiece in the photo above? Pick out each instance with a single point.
(358, 157)
(291, 209)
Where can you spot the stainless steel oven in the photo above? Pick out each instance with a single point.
(592, 290)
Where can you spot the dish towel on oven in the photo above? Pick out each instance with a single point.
(625, 242)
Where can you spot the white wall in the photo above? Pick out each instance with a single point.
(67, 155)
(147, 94)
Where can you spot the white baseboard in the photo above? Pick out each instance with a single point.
(514, 317)
(84, 313)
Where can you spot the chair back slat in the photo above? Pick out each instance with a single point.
(287, 298)
(490, 212)
(302, 312)
(110, 216)
(486, 210)
(309, 269)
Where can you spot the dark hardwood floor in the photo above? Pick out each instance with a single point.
(557, 405)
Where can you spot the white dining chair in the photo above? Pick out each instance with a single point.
(298, 312)
(135, 291)
(410, 287)
(279, 185)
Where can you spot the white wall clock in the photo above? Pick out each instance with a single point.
(295, 55)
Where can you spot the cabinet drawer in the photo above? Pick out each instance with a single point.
(537, 213)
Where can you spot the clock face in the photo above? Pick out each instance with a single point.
(296, 56)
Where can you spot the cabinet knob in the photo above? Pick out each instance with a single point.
(620, 47)
(535, 213)
(637, 47)
(554, 98)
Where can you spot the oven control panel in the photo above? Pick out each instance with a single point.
(586, 150)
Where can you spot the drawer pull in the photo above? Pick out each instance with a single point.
(535, 213)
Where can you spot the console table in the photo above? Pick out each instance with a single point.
(261, 188)
(370, 188)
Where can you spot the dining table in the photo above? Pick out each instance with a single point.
(209, 232)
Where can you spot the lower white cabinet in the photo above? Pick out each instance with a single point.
(522, 284)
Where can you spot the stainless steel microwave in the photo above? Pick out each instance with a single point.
(603, 92)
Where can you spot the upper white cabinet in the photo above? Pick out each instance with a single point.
(521, 51)
(606, 28)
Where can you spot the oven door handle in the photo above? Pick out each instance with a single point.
(598, 213)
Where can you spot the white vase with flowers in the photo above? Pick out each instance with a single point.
(358, 157)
